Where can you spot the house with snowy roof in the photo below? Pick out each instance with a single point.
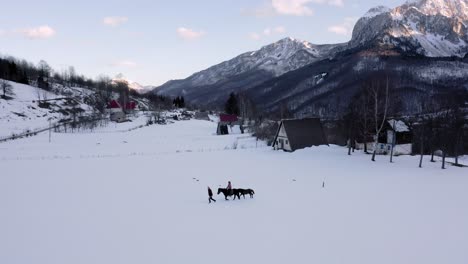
(397, 133)
(294, 134)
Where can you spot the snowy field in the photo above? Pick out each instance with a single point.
(140, 197)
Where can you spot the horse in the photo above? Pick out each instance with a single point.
(243, 192)
(227, 193)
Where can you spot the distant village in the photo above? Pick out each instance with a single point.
(394, 136)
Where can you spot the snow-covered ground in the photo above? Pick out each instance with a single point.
(140, 197)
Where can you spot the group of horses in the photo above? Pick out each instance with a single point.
(235, 192)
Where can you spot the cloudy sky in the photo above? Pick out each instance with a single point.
(152, 41)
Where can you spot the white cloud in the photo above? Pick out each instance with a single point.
(279, 30)
(345, 28)
(339, 3)
(125, 63)
(292, 7)
(268, 32)
(114, 20)
(41, 32)
(2, 32)
(300, 7)
(263, 11)
(189, 34)
(276, 30)
(255, 36)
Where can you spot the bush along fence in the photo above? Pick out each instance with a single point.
(88, 123)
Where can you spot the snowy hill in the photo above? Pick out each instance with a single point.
(25, 112)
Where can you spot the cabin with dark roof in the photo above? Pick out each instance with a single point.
(396, 134)
(399, 135)
(294, 134)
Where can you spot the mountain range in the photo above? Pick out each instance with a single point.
(422, 44)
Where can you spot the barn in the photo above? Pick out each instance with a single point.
(294, 134)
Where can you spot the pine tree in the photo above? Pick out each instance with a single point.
(232, 106)
(182, 102)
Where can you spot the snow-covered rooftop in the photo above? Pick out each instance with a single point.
(398, 125)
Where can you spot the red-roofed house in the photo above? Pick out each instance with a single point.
(130, 105)
(114, 105)
(117, 113)
(226, 120)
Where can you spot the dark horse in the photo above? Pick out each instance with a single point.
(243, 192)
(228, 193)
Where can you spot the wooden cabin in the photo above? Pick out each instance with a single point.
(294, 134)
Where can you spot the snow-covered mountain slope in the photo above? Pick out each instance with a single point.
(448, 8)
(272, 60)
(433, 28)
(133, 85)
(320, 80)
(326, 88)
(24, 112)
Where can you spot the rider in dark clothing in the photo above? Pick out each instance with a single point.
(210, 194)
(229, 188)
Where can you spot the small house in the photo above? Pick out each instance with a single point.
(116, 112)
(294, 134)
(226, 120)
(119, 113)
(396, 133)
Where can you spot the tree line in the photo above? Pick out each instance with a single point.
(443, 128)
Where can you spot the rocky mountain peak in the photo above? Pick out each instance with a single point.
(433, 28)
(447, 8)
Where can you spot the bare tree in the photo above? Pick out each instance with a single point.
(420, 131)
(456, 124)
(379, 95)
(6, 87)
(285, 111)
(360, 106)
(350, 124)
(247, 109)
(124, 92)
(39, 94)
(44, 69)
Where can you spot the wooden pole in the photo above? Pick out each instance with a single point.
(50, 128)
(393, 141)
